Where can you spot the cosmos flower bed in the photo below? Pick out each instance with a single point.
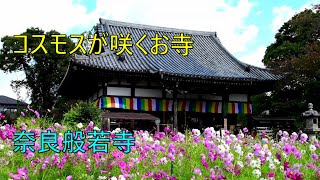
(164, 155)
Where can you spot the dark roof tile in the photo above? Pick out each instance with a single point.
(207, 59)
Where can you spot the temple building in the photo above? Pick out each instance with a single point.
(206, 87)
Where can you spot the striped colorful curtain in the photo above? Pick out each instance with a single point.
(199, 106)
(238, 107)
(140, 104)
(149, 104)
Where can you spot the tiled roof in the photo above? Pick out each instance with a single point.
(9, 101)
(208, 59)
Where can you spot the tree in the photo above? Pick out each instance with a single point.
(43, 71)
(296, 55)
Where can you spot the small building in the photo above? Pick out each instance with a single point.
(9, 105)
(207, 87)
(272, 124)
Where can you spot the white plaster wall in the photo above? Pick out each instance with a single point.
(188, 96)
(118, 91)
(212, 97)
(238, 97)
(140, 92)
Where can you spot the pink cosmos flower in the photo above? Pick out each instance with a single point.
(22, 174)
(204, 163)
(314, 156)
(69, 177)
(285, 165)
(22, 114)
(298, 155)
(171, 156)
(37, 114)
(197, 171)
(2, 116)
(33, 121)
(196, 139)
(271, 175)
(245, 130)
(278, 155)
(122, 164)
(303, 137)
(287, 149)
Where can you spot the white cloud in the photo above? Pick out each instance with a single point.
(64, 15)
(208, 15)
(255, 58)
(67, 15)
(284, 13)
(6, 89)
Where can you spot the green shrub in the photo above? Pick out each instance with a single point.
(83, 112)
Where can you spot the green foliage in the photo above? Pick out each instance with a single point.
(295, 55)
(43, 71)
(83, 112)
(242, 119)
(260, 103)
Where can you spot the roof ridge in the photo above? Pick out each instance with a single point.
(157, 28)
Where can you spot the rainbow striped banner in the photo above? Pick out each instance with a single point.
(199, 106)
(140, 104)
(238, 107)
(149, 104)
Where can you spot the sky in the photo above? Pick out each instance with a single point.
(245, 27)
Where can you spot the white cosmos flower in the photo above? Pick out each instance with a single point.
(10, 153)
(113, 178)
(1, 146)
(256, 173)
(102, 177)
(2, 127)
(164, 160)
(240, 164)
(269, 153)
(196, 132)
(250, 155)
(312, 148)
(221, 147)
(96, 128)
(276, 161)
(117, 130)
(121, 177)
(281, 168)
(272, 166)
(80, 125)
(255, 163)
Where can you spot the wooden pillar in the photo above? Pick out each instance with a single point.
(225, 99)
(175, 110)
(175, 114)
(108, 124)
(105, 124)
